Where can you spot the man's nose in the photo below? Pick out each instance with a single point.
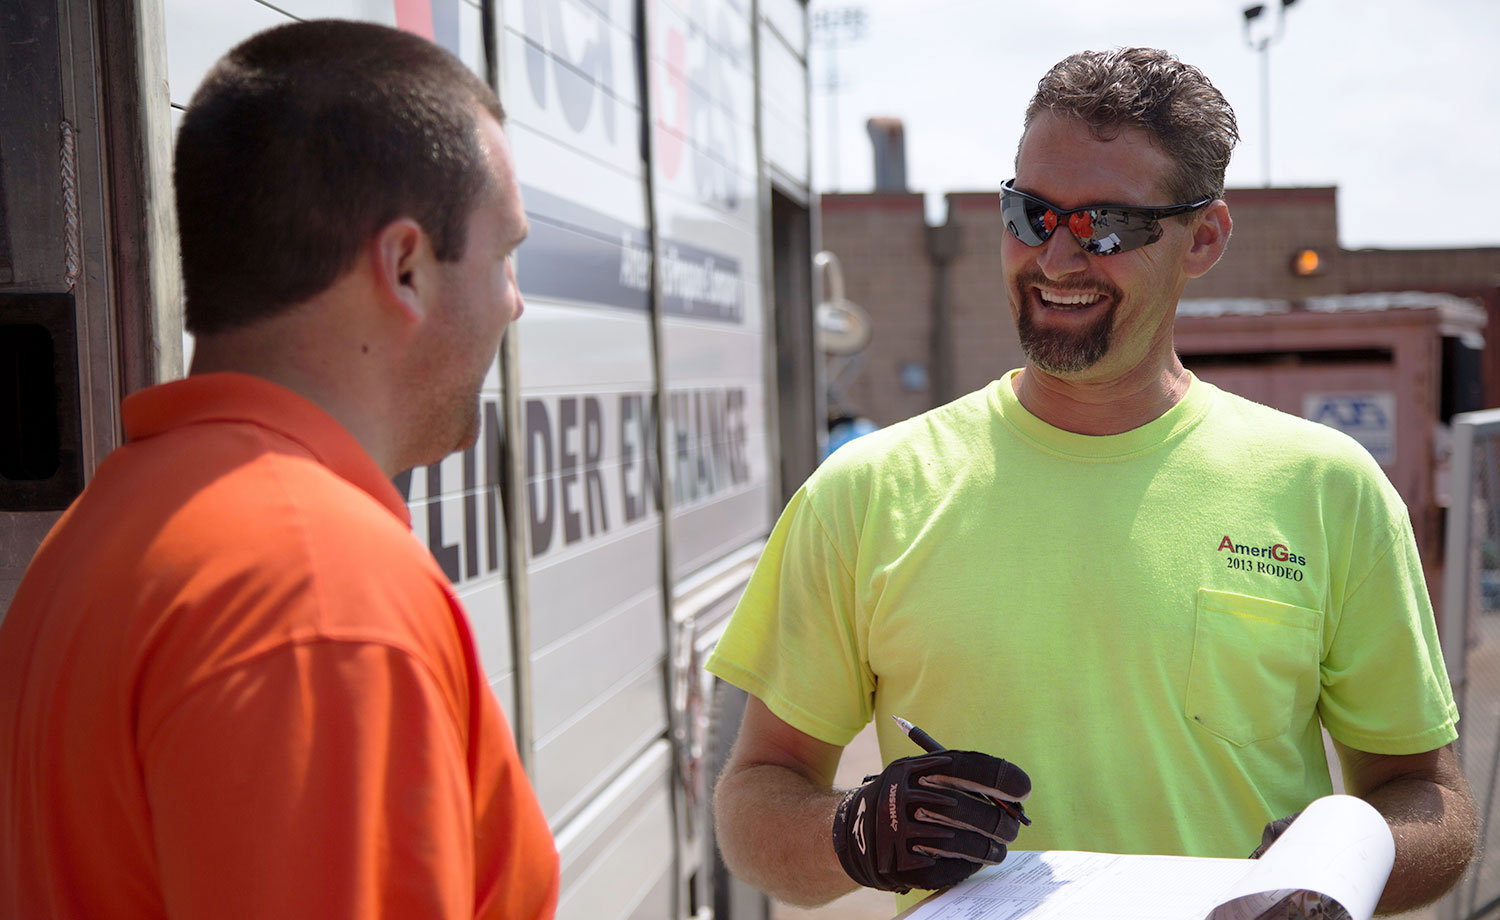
(1061, 255)
(515, 288)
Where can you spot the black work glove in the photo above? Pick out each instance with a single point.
(1271, 832)
(1300, 905)
(928, 821)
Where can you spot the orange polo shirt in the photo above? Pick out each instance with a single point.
(232, 684)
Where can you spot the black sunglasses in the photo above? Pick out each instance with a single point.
(1102, 229)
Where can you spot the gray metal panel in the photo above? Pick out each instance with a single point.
(591, 750)
(559, 165)
(591, 42)
(564, 602)
(706, 351)
(784, 108)
(613, 341)
(147, 270)
(617, 856)
(789, 19)
(200, 31)
(573, 101)
(706, 192)
(505, 691)
(1470, 639)
(701, 535)
(523, 14)
(722, 28)
(580, 672)
(711, 602)
(488, 609)
(704, 120)
(657, 902)
(596, 608)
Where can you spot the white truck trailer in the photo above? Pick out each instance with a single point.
(641, 426)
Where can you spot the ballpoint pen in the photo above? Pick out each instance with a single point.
(930, 744)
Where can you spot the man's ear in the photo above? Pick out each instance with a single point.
(1210, 237)
(402, 259)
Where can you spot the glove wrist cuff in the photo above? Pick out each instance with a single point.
(848, 829)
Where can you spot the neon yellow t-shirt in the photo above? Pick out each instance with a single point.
(1151, 624)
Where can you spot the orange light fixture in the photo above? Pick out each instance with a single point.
(1307, 262)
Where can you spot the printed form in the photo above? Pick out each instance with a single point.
(1339, 848)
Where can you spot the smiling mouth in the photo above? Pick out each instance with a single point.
(1068, 300)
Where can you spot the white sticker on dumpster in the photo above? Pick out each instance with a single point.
(1369, 418)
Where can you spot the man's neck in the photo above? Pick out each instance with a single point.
(1101, 407)
(307, 364)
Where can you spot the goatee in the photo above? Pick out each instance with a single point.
(1062, 351)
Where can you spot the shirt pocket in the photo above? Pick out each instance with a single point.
(1254, 666)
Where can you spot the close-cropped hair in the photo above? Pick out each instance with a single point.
(301, 143)
(1153, 91)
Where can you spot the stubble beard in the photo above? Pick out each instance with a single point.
(467, 424)
(445, 428)
(449, 419)
(456, 417)
(1057, 351)
(463, 416)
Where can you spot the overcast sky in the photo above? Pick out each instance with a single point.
(1395, 102)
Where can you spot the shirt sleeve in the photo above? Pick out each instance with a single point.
(1385, 687)
(795, 639)
(326, 778)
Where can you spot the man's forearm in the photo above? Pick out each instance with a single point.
(1436, 829)
(774, 827)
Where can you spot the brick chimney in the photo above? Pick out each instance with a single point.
(888, 137)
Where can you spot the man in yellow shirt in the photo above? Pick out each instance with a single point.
(1146, 592)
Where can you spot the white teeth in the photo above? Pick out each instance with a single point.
(1068, 300)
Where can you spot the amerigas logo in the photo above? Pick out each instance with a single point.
(1277, 551)
(1276, 559)
(859, 825)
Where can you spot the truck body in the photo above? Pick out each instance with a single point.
(640, 428)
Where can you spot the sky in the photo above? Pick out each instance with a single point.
(1395, 102)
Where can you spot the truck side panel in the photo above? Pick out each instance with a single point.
(591, 495)
(627, 469)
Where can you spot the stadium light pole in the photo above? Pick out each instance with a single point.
(1262, 44)
(832, 27)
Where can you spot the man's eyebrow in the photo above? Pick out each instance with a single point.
(520, 237)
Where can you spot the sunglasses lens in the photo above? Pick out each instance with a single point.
(1105, 231)
(1028, 221)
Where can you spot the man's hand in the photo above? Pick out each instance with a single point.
(1272, 832)
(929, 821)
(1300, 905)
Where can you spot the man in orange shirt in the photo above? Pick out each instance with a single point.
(231, 683)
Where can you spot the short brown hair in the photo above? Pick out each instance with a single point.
(301, 143)
(1151, 90)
